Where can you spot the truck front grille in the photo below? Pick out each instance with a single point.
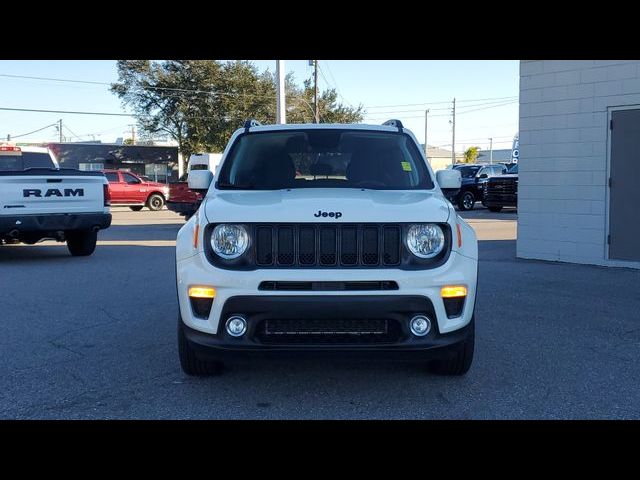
(501, 188)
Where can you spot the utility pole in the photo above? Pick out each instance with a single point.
(426, 121)
(60, 129)
(491, 151)
(133, 135)
(315, 87)
(8, 137)
(453, 138)
(281, 109)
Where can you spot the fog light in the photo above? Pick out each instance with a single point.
(420, 325)
(236, 326)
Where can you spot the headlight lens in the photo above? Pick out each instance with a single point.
(425, 240)
(229, 241)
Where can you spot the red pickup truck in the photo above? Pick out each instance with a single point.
(183, 201)
(128, 189)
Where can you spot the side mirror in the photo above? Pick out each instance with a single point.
(199, 180)
(449, 181)
(483, 175)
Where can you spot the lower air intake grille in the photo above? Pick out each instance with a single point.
(334, 331)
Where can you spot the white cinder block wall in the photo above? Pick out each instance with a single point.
(563, 155)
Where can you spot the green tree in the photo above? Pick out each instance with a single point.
(471, 154)
(199, 103)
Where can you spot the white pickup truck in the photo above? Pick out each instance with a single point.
(40, 200)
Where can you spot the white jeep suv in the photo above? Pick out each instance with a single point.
(326, 239)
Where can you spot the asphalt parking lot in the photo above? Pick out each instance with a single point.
(95, 337)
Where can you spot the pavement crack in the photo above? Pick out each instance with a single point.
(110, 315)
(64, 347)
(113, 319)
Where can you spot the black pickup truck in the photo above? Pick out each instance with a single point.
(473, 178)
(501, 191)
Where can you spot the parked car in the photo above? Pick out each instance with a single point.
(326, 238)
(128, 189)
(502, 191)
(183, 200)
(473, 178)
(40, 200)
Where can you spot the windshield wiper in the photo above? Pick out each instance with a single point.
(234, 186)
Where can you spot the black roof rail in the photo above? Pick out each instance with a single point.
(251, 123)
(394, 123)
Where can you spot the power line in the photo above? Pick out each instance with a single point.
(446, 114)
(486, 108)
(323, 77)
(70, 112)
(104, 131)
(71, 131)
(35, 131)
(148, 87)
(442, 108)
(53, 79)
(65, 111)
(439, 102)
(326, 62)
(208, 92)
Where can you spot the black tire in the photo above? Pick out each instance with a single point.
(495, 209)
(82, 243)
(155, 202)
(459, 361)
(190, 363)
(137, 208)
(467, 201)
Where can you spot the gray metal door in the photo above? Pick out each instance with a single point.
(624, 210)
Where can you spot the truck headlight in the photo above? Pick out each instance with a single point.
(425, 240)
(229, 241)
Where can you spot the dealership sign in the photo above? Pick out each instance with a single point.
(515, 149)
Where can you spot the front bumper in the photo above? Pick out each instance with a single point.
(196, 270)
(500, 201)
(54, 222)
(406, 347)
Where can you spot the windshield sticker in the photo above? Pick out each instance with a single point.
(406, 166)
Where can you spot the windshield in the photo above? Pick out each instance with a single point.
(513, 169)
(468, 172)
(325, 159)
(25, 160)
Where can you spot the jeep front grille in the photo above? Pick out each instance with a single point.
(322, 245)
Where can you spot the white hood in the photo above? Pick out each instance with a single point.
(302, 206)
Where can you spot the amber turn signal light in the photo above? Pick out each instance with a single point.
(202, 292)
(453, 291)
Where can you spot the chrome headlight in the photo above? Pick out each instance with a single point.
(229, 241)
(425, 240)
